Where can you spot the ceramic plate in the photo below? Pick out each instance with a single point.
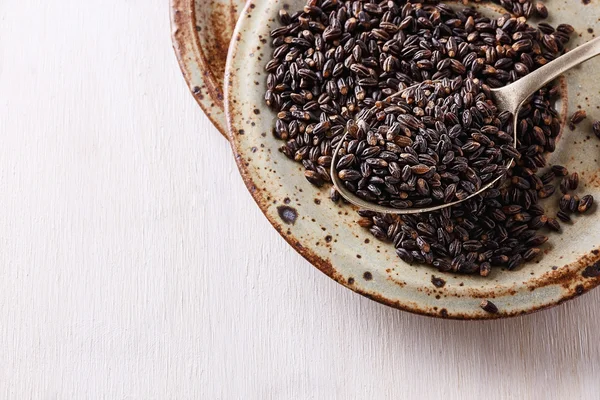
(201, 31)
(327, 235)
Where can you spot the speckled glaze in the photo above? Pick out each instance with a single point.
(201, 31)
(327, 234)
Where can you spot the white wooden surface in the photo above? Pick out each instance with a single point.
(135, 265)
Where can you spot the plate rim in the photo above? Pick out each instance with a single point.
(191, 58)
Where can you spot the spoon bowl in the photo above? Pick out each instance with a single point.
(508, 98)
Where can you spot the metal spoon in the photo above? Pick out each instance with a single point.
(508, 98)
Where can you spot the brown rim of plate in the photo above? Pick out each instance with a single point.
(577, 279)
(194, 63)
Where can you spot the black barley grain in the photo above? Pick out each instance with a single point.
(559, 170)
(553, 224)
(488, 306)
(563, 216)
(585, 203)
(538, 222)
(334, 195)
(564, 202)
(485, 269)
(541, 10)
(564, 185)
(596, 128)
(548, 177)
(546, 191)
(577, 117)
(531, 253)
(574, 203)
(573, 181)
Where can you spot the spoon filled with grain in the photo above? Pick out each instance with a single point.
(438, 143)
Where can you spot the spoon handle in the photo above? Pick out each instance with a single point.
(515, 94)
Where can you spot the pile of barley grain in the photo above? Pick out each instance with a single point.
(335, 58)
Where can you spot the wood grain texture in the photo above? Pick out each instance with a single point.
(135, 265)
